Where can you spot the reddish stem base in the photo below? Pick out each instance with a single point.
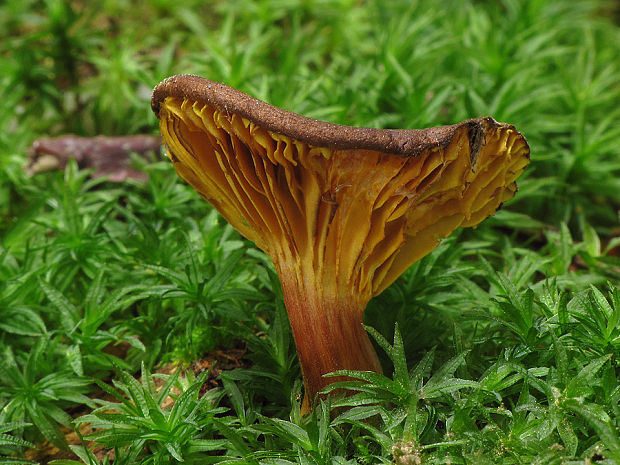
(329, 335)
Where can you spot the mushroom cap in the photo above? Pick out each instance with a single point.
(404, 142)
(355, 205)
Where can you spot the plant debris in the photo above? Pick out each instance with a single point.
(107, 156)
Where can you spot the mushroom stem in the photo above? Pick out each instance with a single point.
(329, 333)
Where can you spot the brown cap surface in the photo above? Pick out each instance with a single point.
(404, 142)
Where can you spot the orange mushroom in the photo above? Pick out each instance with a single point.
(342, 211)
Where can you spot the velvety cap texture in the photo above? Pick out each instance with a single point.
(404, 142)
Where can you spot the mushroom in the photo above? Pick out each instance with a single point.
(341, 211)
